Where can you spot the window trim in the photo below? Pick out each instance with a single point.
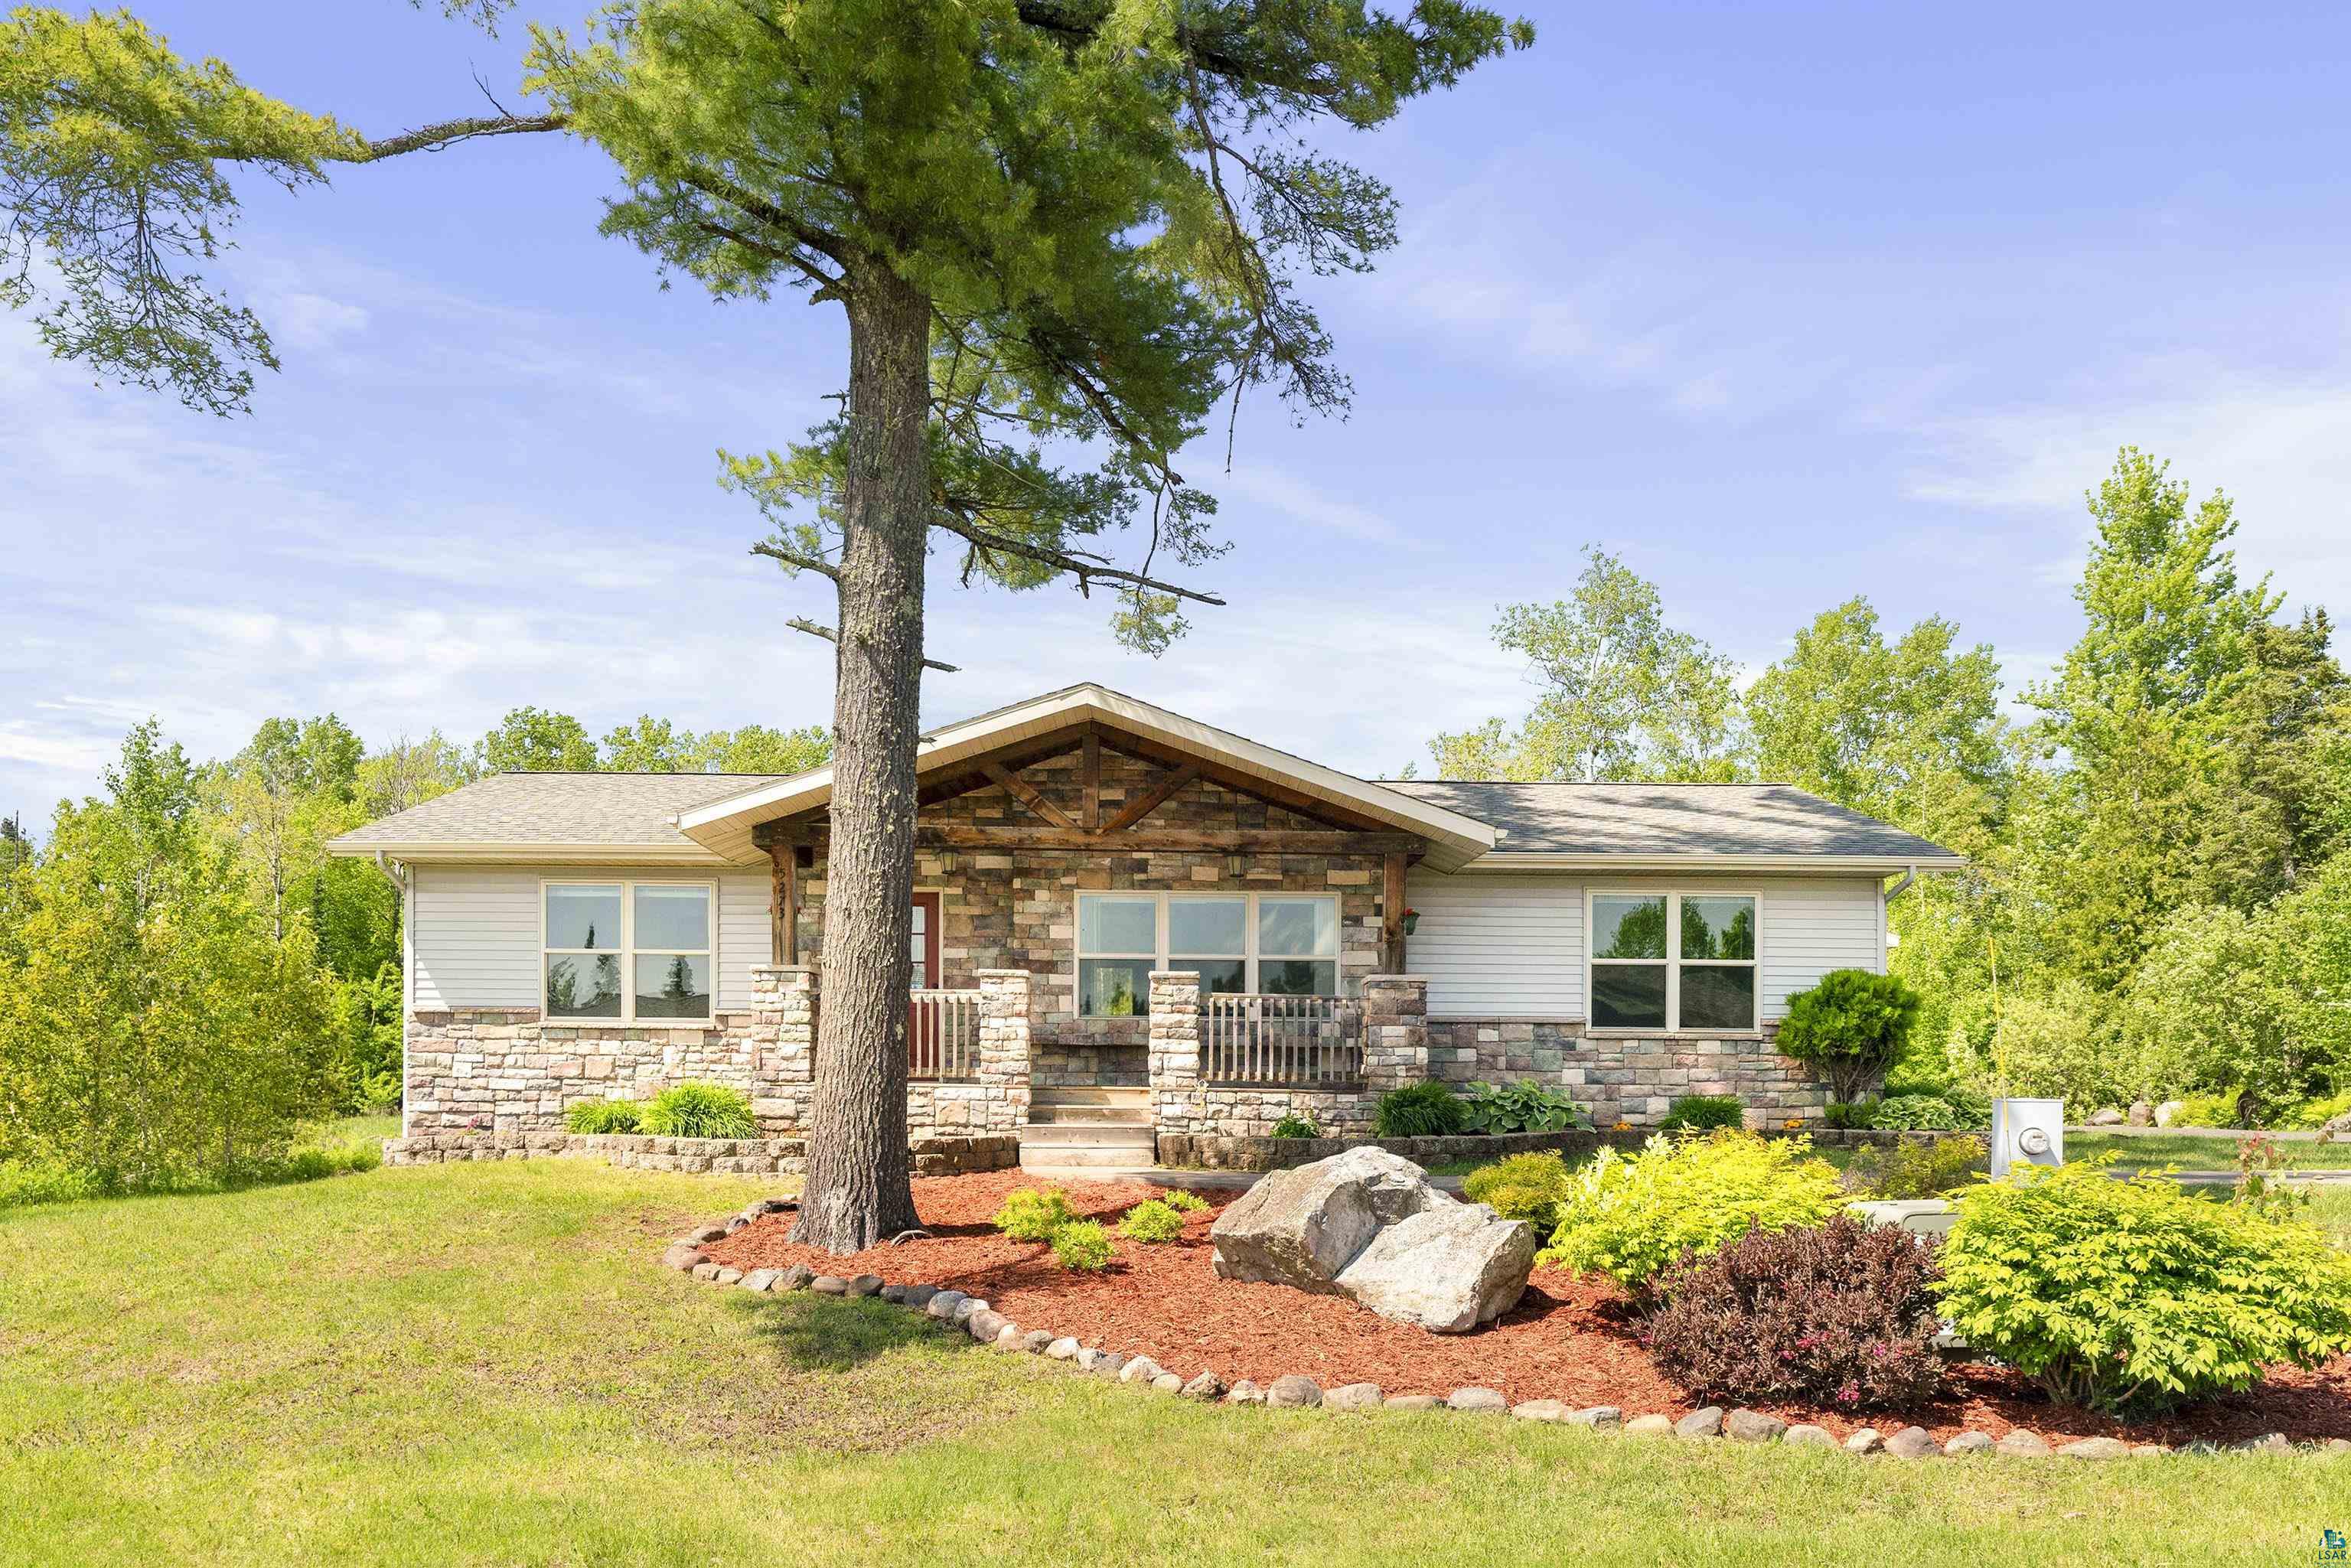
(627, 951)
(1673, 959)
(1161, 957)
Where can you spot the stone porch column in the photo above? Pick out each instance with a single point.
(1177, 1104)
(1004, 1062)
(784, 1000)
(1396, 1032)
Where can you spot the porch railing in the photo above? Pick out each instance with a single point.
(1294, 1042)
(943, 1035)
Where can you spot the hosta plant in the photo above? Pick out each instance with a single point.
(1628, 1216)
(1523, 1107)
(2132, 1296)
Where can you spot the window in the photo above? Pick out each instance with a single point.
(1277, 944)
(1673, 962)
(639, 950)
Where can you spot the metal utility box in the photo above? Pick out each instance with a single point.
(2027, 1132)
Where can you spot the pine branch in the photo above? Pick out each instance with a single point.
(1084, 567)
(829, 635)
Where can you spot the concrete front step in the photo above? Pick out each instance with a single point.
(1079, 1135)
(1066, 1156)
(1089, 1094)
(1090, 1115)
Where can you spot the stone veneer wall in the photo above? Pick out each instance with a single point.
(508, 1074)
(1019, 910)
(1633, 1078)
(1184, 1107)
(731, 1156)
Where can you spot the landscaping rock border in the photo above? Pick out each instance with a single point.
(695, 1156)
(1214, 1153)
(971, 1316)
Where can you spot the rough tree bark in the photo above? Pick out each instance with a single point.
(857, 1192)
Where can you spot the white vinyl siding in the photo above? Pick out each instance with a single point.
(474, 931)
(1512, 946)
(1497, 946)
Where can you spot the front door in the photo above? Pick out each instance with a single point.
(921, 1022)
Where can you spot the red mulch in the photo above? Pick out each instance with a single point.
(1567, 1339)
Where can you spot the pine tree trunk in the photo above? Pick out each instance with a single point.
(857, 1192)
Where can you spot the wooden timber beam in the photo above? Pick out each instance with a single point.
(1234, 779)
(1020, 789)
(784, 900)
(1089, 781)
(1391, 913)
(1158, 795)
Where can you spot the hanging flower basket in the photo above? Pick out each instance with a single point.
(1411, 921)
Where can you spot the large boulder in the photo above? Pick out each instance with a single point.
(1446, 1269)
(1301, 1227)
(1367, 1225)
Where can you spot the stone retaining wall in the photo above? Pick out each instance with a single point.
(1226, 1151)
(1631, 1079)
(933, 1155)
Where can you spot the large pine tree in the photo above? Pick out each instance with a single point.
(1063, 232)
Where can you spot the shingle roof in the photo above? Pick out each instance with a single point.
(1636, 820)
(523, 808)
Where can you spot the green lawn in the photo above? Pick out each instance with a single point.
(2198, 1151)
(480, 1364)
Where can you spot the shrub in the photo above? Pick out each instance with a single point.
(2315, 1111)
(1915, 1170)
(1703, 1112)
(1629, 1217)
(2060, 1047)
(1425, 1110)
(1524, 1186)
(1183, 1202)
(1849, 1115)
(2208, 1110)
(1296, 1126)
(1841, 1313)
(1034, 1214)
(603, 1116)
(1521, 1108)
(1849, 1027)
(1151, 1221)
(22, 1184)
(693, 1110)
(1916, 1113)
(1082, 1244)
(2135, 1295)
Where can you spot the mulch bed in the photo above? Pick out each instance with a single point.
(1568, 1339)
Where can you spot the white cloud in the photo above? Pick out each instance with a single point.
(1308, 503)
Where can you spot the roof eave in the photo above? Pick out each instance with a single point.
(1814, 864)
(688, 853)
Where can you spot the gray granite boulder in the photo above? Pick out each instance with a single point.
(1485, 1401)
(1649, 1426)
(1447, 1269)
(1706, 1423)
(1968, 1443)
(1352, 1396)
(1804, 1435)
(1301, 1227)
(2095, 1449)
(1913, 1443)
(684, 1255)
(1292, 1391)
(1207, 1386)
(2020, 1444)
(1743, 1426)
(1599, 1417)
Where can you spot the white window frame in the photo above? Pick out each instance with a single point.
(1160, 958)
(1673, 959)
(627, 951)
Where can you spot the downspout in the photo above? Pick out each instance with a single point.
(1901, 887)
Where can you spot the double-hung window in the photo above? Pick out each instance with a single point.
(1273, 944)
(628, 951)
(1674, 962)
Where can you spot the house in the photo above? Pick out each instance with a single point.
(1129, 926)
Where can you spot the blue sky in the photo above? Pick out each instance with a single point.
(1783, 304)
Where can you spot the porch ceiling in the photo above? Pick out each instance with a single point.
(953, 759)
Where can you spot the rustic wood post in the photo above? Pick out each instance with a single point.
(783, 901)
(1391, 914)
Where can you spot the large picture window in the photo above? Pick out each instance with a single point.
(1270, 943)
(628, 951)
(1674, 962)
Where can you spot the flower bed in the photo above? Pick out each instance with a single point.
(1568, 1340)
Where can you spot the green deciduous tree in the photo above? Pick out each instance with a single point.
(528, 740)
(152, 1022)
(1624, 696)
(1060, 232)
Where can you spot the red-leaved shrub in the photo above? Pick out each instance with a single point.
(1836, 1314)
